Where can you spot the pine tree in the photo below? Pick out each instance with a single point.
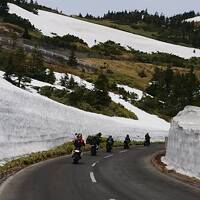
(3, 7)
(50, 77)
(71, 83)
(101, 90)
(19, 65)
(64, 80)
(102, 82)
(26, 34)
(9, 68)
(36, 66)
(72, 59)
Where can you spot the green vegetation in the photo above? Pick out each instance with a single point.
(96, 100)
(112, 50)
(165, 59)
(23, 24)
(72, 59)
(67, 41)
(109, 48)
(172, 92)
(16, 165)
(23, 66)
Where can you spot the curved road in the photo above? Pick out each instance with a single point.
(121, 175)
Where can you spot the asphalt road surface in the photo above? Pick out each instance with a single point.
(120, 175)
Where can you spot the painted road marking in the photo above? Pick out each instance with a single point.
(123, 151)
(108, 156)
(94, 164)
(92, 177)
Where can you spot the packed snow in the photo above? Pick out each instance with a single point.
(183, 149)
(30, 122)
(51, 24)
(194, 19)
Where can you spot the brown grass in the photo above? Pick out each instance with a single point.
(125, 70)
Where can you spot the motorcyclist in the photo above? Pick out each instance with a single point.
(94, 141)
(97, 139)
(147, 140)
(78, 141)
(78, 144)
(109, 143)
(127, 142)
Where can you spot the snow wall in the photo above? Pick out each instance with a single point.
(183, 149)
(30, 123)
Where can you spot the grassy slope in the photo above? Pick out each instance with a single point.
(122, 71)
(125, 72)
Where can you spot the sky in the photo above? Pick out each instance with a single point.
(99, 7)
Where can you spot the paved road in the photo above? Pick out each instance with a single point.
(121, 175)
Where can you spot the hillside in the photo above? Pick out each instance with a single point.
(49, 56)
(48, 123)
(172, 29)
(51, 24)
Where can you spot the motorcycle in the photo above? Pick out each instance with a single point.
(94, 149)
(76, 156)
(126, 145)
(147, 143)
(108, 147)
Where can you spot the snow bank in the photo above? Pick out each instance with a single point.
(30, 122)
(194, 19)
(50, 23)
(183, 149)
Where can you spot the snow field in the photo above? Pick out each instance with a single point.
(194, 19)
(91, 33)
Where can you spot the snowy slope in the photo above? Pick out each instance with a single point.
(183, 149)
(30, 122)
(194, 19)
(143, 117)
(50, 23)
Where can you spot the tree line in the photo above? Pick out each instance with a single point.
(24, 66)
(171, 92)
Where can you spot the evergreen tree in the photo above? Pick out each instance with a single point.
(36, 66)
(26, 34)
(3, 7)
(50, 76)
(9, 68)
(101, 90)
(64, 80)
(102, 82)
(19, 65)
(71, 83)
(72, 59)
